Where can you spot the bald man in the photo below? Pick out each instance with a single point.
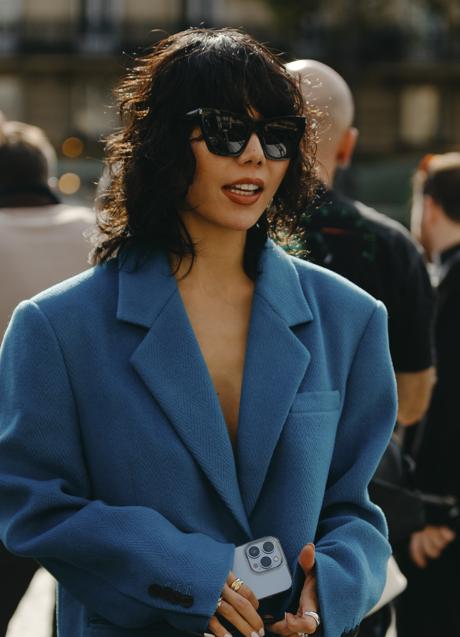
(373, 251)
(379, 255)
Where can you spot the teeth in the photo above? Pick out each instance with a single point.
(249, 188)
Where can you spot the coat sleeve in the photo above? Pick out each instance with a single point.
(351, 546)
(128, 564)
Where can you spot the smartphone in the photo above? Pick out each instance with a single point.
(262, 566)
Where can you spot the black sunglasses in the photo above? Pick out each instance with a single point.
(228, 133)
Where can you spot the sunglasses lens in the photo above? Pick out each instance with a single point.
(225, 133)
(281, 139)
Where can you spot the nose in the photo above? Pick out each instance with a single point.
(253, 153)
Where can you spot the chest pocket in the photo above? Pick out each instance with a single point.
(316, 402)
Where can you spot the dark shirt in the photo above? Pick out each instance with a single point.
(379, 255)
(438, 459)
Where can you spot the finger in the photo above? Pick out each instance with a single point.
(280, 628)
(416, 553)
(309, 622)
(309, 600)
(447, 533)
(216, 628)
(300, 624)
(293, 625)
(430, 547)
(244, 590)
(240, 613)
(440, 536)
(307, 558)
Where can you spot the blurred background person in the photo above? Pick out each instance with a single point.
(434, 552)
(380, 256)
(41, 239)
(41, 243)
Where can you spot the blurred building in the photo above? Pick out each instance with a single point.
(60, 59)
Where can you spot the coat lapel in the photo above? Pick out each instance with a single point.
(276, 362)
(171, 365)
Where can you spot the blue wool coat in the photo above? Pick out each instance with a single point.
(116, 468)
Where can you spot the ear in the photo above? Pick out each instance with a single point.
(346, 147)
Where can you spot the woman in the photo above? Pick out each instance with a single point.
(198, 388)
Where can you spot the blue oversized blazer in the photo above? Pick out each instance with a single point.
(116, 468)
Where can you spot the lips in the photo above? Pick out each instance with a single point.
(244, 191)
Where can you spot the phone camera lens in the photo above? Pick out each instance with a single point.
(254, 551)
(266, 561)
(268, 547)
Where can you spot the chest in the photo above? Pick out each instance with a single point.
(221, 330)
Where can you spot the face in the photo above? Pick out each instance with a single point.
(231, 192)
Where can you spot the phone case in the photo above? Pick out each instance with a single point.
(262, 565)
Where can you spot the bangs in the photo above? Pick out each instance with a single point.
(230, 71)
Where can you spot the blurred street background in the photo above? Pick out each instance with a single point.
(59, 60)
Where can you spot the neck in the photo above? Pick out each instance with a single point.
(447, 238)
(219, 253)
(453, 241)
(326, 168)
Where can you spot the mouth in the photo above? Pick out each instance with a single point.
(245, 191)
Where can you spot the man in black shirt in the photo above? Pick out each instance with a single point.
(435, 551)
(367, 247)
(379, 255)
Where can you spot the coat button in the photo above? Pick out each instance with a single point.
(186, 601)
(155, 590)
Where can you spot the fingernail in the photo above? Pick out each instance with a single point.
(262, 632)
(227, 635)
(254, 634)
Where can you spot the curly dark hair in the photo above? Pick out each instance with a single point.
(150, 162)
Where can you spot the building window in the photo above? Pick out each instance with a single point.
(93, 115)
(419, 115)
(10, 17)
(11, 97)
(101, 22)
(198, 11)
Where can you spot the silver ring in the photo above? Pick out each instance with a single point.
(315, 616)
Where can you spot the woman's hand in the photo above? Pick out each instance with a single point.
(239, 609)
(429, 544)
(292, 625)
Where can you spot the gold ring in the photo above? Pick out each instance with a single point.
(236, 584)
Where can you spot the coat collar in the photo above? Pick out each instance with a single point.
(146, 284)
(170, 363)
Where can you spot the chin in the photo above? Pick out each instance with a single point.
(241, 225)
